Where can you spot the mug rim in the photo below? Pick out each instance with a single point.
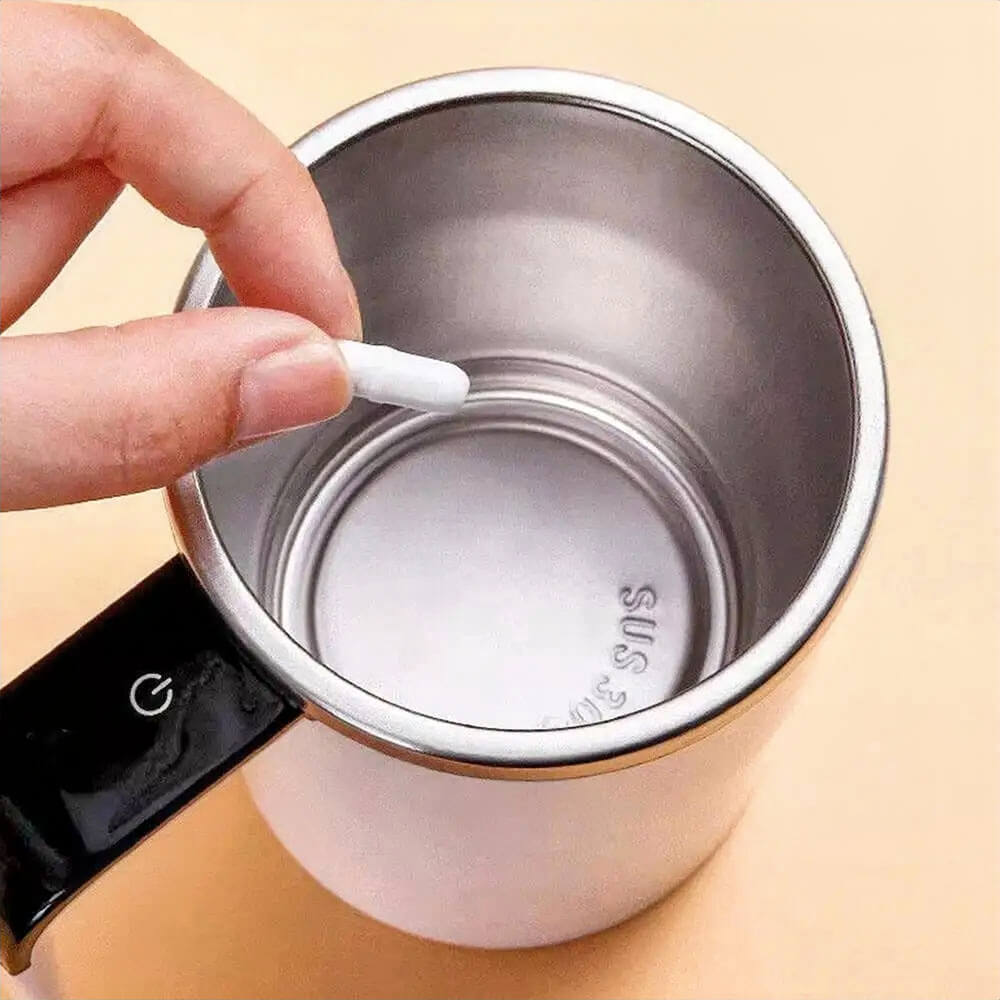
(650, 731)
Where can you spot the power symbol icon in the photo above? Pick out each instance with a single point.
(153, 700)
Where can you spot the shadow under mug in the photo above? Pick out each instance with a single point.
(537, 643)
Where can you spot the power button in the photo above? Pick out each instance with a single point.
(151, 694)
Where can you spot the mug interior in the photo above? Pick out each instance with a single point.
(654, 455)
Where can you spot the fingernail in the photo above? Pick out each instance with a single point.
(291, 388)
(355, 326)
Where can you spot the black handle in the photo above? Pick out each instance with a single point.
(110, 735)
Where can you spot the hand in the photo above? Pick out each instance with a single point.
(88, 104)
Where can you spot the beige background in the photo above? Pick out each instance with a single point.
(868, 865)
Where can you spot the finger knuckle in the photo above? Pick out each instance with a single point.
(140, 445)
(147, 442)
(111, 28)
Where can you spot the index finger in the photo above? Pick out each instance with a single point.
(79, 84)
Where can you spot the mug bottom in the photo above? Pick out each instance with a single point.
(553, 555)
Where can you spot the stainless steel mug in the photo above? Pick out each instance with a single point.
(537, 644)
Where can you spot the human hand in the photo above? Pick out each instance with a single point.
(89, 103)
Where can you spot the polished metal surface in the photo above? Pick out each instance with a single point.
(543, 559)
(668, 467)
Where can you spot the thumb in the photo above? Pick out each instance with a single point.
(110, 410)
